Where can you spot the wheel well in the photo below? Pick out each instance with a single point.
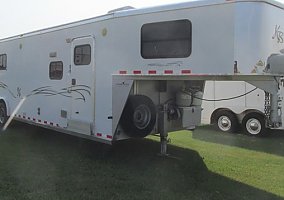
(246, 112)
(3, 101)
(214, 114)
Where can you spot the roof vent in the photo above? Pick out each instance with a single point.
(121, 9)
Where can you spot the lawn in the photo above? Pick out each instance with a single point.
(40, 164)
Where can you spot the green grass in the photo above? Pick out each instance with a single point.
(41, 164)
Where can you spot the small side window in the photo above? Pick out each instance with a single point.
(56, 70)
(82, 55)
(3, 61)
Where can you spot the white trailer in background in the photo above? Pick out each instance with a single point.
(226, 105)
(135, 72)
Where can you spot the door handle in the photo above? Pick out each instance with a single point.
(73, 81)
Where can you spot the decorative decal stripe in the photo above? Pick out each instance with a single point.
(78, 92)
(4, 86)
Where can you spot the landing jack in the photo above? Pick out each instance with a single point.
(163, 130)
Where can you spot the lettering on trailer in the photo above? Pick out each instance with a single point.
(173, 64)
(278, 34)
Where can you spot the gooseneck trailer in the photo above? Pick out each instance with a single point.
(135, 72)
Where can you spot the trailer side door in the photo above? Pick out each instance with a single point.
(82, 85)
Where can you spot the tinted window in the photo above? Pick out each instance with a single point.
(82, 55)
(56, 70)
(170, 39)
(3, 61)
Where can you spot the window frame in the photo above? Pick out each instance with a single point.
(90, 55)
(185, 35)
(51, 76)
(3, 58)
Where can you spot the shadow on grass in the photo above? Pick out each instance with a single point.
(272, 144)
(42, 164)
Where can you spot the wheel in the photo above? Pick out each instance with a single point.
(139, 116)
(226, 121)
(254, 124)
(3, 114)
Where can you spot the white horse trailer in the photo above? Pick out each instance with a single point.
(226, 105)
(134, 72)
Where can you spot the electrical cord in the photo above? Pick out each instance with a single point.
(226, 99)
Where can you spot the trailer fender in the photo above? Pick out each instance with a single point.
(215, 112)
(2, 99)
(3, 113)
(246, 112)
(120, 91)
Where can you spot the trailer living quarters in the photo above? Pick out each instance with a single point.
(134, 72)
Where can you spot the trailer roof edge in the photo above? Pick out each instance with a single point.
(139, 11)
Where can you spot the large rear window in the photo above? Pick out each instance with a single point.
(169, 39)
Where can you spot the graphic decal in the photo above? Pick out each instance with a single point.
(4, 86)
(278, 34)
(19, 94)
(79, 92)
(259, 67)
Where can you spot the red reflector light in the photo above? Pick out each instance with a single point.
(186, 71)
(169, 71)
(99, 134)
(152, 72)
(137, 72)
(109, 137)
(122, 72)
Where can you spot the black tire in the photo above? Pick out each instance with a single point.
(139, 116)
(3, 114)
(226, 121)
(254, 124)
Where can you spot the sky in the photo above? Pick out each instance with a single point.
(22, 16)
